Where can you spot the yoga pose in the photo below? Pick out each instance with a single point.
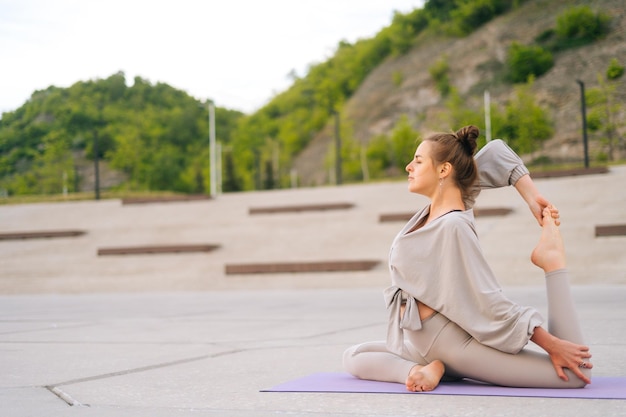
(448, 316)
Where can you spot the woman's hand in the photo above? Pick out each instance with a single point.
(572, 356)
(538, 205)
(564, 354)
(536, 202)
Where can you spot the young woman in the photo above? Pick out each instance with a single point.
(447, 312)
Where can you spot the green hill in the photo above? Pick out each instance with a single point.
(149, 137)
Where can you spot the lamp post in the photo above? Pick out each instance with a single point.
(212, 150)
(338, 173)
(584, 116)
(96, 168)
(487, 100)
(96, 152)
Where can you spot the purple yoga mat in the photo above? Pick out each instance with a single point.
(600, 388)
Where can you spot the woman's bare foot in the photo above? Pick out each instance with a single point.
(425, 378)
(549, 254)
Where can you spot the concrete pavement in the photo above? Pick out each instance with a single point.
(209, 354)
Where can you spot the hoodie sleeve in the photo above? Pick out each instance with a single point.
(498, 166)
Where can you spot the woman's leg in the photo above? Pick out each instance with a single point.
(563, 319)
(549, 255)
(373, 361)
(466, 357)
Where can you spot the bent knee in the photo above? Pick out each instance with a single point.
(349, 360)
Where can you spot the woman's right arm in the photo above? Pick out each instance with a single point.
(563, 354)
(536, 202)
(499, 166)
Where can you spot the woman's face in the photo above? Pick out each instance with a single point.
(423, 178)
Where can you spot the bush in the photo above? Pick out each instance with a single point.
(439, 72)
(392, 153)
(397, 78)
(615, 70)
(404, 28)
(541, 160)
(525, 124)
(467, 16)
(602, 157)
(580, 25)
(472, 15)
(527, 61)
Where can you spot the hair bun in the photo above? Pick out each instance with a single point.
(467, 136)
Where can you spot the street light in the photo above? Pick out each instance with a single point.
(338, 161)
(212, 150)
(584, 115)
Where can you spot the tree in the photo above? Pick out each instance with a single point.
(154, 134)
(604, 107)
(404, 141)
(386, 154)
(458, 112)
(231, 182)
(526, 124)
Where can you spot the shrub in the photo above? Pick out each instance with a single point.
(526, 123)
(615, 70)
(602, 157)
(467, 16)
(439, 72)
(541, 160)
(579, 25)
(397, 78)
(527, 61)
(471, 15)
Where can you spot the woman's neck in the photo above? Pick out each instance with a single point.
(445, 201)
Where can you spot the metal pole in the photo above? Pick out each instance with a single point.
(95, 162)
(487, 116)
(219, 167)
(213, 155)
(584, 115)
(338, 179)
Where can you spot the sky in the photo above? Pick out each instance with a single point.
(237, 53)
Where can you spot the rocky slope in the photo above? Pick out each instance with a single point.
(475, 64)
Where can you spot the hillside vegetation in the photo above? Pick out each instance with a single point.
(148, 137)
(439, 85)
(428, 70)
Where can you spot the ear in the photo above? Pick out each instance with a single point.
(444, 169)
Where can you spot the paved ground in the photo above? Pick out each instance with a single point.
(173, 335)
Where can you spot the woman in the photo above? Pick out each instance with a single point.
(447, 313)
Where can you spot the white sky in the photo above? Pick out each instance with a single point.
(236, 52)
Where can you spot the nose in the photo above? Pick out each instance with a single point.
(408, 167)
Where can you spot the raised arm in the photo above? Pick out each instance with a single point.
(536, 202)
(499, 166)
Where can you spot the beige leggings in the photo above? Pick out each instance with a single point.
(464, 357)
